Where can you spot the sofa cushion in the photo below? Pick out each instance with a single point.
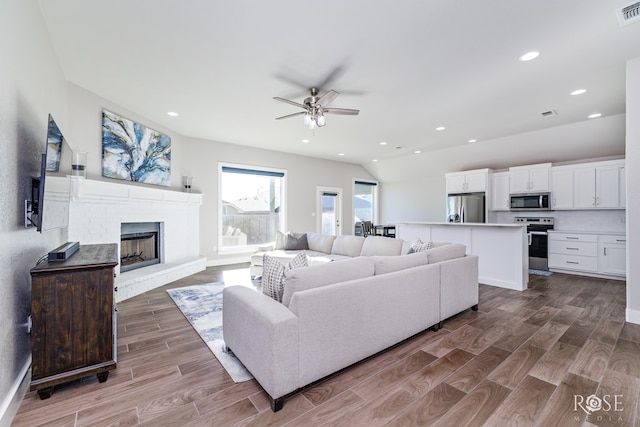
(291, 241)
(315, 276)
(445, 252)
(379, 245)
(391, 263)
(347, 245)
(273, 274)
(320, 242)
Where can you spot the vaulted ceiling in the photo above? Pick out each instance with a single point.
(408, 66)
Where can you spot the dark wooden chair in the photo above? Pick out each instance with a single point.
(367, 228)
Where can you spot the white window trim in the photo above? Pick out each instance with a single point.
(283, 207)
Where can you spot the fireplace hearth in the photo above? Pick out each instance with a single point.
(139, 245)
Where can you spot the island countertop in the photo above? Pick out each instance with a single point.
(502, 249)
(464, 224)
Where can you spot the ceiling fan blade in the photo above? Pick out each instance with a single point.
(327, 98)
(297, 104)
(342, 111)
(331, 77)
(291, 115)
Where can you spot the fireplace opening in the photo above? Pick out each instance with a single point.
(139, 245)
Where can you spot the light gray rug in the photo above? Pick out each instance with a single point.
(202, 306)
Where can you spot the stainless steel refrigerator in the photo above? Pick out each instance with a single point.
(468, 207)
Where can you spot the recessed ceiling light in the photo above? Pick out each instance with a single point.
(594, 115)
(529, 56)
(578, 92)
(473, 140)
(440, 128)
(340, 154)
(374, 160)
(172, 114)
(417, 152)
(305, 140)
(383, 143)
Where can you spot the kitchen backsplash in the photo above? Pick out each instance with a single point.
(595, 220)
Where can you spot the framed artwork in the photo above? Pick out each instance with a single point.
(133, 152)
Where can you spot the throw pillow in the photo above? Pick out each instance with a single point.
(273, 274)
(420, 246)
(296, 241)
(291, 241)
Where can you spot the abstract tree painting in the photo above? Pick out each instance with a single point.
(133, 152)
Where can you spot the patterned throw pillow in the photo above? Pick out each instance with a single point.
(273, 274)
(420, 246)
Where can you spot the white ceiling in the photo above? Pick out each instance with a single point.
(408, 66)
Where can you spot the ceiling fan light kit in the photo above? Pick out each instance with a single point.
(316, 107)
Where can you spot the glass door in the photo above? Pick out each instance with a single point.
(330, 211)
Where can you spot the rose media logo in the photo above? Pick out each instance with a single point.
(608, 406)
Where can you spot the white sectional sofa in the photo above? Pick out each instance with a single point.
(324, 248)
(334, 314)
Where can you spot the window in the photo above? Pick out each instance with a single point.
(252, 206)
(365, 195)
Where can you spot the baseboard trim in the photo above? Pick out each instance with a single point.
(633, 316)
(9, 407)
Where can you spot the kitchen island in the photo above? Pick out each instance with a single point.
(502, 249)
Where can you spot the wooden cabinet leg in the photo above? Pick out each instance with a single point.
(45, 393)
(102, 376)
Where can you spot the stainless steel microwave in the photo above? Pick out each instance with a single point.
(530, 202)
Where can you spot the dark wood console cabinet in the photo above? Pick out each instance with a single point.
(73, 318)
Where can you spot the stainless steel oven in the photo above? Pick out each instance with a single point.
(538, 240)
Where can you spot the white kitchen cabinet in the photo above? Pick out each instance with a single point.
(597, 187)
(530, 179)
(562, 187)
(467, 181)
(499, 191)
(573, 251)
(612, 255)
(602, 255)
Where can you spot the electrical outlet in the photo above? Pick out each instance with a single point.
(29, 324)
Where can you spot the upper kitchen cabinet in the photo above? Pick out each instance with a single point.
(562, 187)
(530, 179)
(597, 185)
(468, 181)
(500, 191)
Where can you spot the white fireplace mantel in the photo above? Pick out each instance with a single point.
(98, 208)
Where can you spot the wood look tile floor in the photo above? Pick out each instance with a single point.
(525, 358)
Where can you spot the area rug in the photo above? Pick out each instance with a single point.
(202, 306)
(540, 272)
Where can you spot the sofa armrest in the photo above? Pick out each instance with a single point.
(263, 334)
(458, 285)
(267, 248)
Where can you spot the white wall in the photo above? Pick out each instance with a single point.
(418, 174)
(633, 190)
(199, 159)
(421, 199)
(304, 175)
(31, 87)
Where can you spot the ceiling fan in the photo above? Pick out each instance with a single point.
(316, 107)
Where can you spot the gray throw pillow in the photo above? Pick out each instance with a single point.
(273, 274)
(296, 241)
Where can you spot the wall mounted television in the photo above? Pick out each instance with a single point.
(50, 191)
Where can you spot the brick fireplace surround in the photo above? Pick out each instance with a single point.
(98, 208)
